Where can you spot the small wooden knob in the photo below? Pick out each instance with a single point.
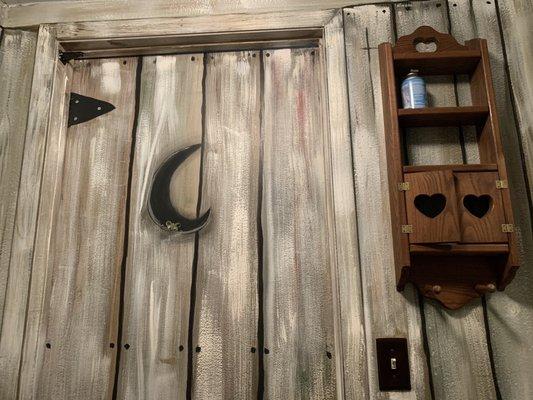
(485, 288)
(432, 289)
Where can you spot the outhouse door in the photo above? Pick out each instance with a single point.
(244, 307)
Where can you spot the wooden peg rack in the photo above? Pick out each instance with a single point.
(453, 229)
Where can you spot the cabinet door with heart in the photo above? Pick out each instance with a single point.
(432, 207)
(481, 211)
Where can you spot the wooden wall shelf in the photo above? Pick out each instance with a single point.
(451, 167)
(443, 116)
(452, 224)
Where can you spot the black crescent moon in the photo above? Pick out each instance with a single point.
(160, 207)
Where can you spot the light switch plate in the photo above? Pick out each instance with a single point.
(393, 364)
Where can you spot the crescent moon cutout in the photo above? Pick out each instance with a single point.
(160, 207)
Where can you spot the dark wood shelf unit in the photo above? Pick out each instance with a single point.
(443, 116)
(452, 225)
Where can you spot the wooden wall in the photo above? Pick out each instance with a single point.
(483, 351)
(480, 351)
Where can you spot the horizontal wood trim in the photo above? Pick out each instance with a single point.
(442, 116)
(463, 249)
(199, 48)
(453, 167)
(139, 28)
(194, 42)
(195, 39)
(100, 10)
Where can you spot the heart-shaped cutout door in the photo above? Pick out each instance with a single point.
(430, 206)
(478, 206)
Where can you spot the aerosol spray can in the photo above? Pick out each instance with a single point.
(414, 93)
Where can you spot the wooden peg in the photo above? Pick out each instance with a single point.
(485, 288)
(432, 289)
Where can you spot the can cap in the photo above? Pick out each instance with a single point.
(414, 72)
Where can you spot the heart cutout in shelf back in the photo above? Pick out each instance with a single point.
(430, 206)
(478, 206)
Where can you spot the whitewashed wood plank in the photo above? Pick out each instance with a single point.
(387, 312)
(510, 314)
(299, 330)
(226, 307)
(95, 10)
(17, 52)
(20, 266)
(79, 31)
(86, 243)
(159, 264)
(516, 17)
(454, 337)
(350, 354)
(41, 279)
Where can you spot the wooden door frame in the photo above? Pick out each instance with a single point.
(323, 28)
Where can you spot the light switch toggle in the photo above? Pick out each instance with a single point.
(393, 363)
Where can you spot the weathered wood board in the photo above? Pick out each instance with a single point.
(350, 348)
(20, 263)
(226, 307)
(387, 312)
(510, 313)
(517, 33)
(17, 52)
(159, 264)
(35, 336)
(454, 337)
(85, 249)
(98, 10)
(297, 281)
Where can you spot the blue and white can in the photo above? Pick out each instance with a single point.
(414, 93)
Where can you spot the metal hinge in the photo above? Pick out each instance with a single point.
(501, 184)
(407, 228)
(507, 228)
(404, 186)
(83, 108)
(66, 56)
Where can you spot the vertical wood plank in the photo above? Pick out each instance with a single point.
(299, 331)
(387, 312)
(510, 313)
(41, 279)
(86, 243)
(159, 264)
(350, 350)
(454, 337)
(17, 53)
(517, 32)
(20, 265)
(226, 307)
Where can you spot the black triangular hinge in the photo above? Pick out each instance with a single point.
(83, 109)
(66, 56)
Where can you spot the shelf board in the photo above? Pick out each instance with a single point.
(438, 63)
(460, 249)
(442, 116)
(453, 167)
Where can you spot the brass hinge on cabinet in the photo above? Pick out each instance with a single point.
(407, 228)
(502, 184)
(404, 186)
(507, 228)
